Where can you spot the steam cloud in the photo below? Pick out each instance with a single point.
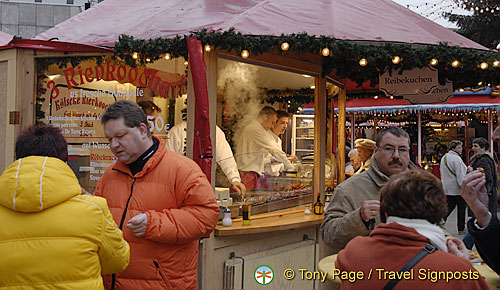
(237, 82)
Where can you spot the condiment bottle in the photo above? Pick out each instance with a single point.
(318, 206)
(246, 210)
(328, 198)
(227, 221)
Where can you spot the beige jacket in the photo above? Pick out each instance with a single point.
(342, 220)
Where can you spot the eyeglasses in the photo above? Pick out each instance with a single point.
(390, 150)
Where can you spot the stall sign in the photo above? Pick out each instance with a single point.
(164, 84)
(75, 98)
(439, 94)
(410, 82)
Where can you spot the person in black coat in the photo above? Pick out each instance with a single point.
(483, 159)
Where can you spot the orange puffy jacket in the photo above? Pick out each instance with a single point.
(181, 208)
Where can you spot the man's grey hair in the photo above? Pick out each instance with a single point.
(396, 131)
(455, 143)
(353, 151)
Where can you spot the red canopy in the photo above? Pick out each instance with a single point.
(358, 20)
(456, 103)
(5, 38)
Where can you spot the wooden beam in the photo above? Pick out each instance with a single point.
(292, 62)
(341, 136)
(211, 72)
(319, 136)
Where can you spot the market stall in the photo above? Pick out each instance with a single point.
(468, 114)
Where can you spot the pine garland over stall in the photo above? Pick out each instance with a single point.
(357, 61)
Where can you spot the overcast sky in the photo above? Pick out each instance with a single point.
(435, 6)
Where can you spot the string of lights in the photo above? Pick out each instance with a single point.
(441, 8)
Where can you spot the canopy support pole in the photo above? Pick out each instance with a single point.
(341, 136)
(353, 123)
(490, 130)
(419, 141)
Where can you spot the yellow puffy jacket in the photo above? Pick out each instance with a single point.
(51, 236)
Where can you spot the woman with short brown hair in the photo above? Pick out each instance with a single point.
(412, 204)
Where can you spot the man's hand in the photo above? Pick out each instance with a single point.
(474, 193)
(350, 172)
(138, 224)
(292, 158)
(370, 209)
(457, 248)
(239, 187)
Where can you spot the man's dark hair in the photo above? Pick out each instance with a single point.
(483, 143)
(282, 114)
(455, 143)
(267, 110)
(42, 140)
(396, 131)
(132, 114)
(413, 194)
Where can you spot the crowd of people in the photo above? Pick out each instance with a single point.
(392, 214)
(141, 227)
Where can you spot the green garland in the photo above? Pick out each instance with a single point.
(344, 56)
(293, 99)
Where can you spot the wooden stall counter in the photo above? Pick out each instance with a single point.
(291, 218)
(283, 239)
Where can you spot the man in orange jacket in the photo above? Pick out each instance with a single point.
(161, 200)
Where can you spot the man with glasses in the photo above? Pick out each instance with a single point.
(354, 210)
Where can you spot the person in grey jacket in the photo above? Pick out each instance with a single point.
(453, 170)
(354, 210)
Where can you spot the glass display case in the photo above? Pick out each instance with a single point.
(280, 192)
(302, 135)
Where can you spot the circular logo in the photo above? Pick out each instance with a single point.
(264, 275)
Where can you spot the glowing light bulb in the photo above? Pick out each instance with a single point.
(148, 59)
(285, 46)
(455, 63)
(186, 63)
(434, 61)
(245, 53)
(135, 55)
(376, 97)
(325, 51)
(208, 48)
(461, 90)
(396, 59)
(363, 62)
(168, 56)
(496, 63)
(483, 65)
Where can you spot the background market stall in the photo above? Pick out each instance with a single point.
(465, 116)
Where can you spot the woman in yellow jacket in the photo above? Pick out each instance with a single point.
(52, 236)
